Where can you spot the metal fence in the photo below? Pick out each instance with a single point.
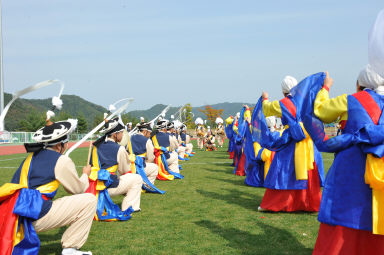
(26, 137)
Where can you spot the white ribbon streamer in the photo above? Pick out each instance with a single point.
(152, 122)
(22, 92)
(115, 113)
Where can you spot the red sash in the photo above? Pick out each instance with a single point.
(289, 105)
(369, 104)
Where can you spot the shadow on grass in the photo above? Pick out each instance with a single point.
(272, 241)
(235, 197)
(222, 168)
(54, 246)
(219, 157)
(231, 181)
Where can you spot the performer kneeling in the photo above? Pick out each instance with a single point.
(28, 207)
(210, 141)
(184, 139)
(142, 147)
(107, 158)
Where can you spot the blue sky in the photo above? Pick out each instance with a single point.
(176, 52)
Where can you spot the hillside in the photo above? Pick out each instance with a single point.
(229, 109)
(73, 105)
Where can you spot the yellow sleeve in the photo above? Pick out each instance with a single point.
(236, 129)
(229, 120)
(271, 108)
(247, 115)
(329, 110)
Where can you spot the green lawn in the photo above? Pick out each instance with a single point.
(211, 211)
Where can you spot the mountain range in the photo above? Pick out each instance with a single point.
(74, 106)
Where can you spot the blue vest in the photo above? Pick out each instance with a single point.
(139, 144)
(163, 140)
(107, 152)
(42, 171)
(346, 199)
(183, 137)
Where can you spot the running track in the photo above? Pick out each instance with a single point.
(14, 149)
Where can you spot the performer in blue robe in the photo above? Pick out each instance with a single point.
(296, 173)
(229, 122)
(352, 207)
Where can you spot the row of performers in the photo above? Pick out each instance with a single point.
(206, 138)
(288, 163)
(27, 205)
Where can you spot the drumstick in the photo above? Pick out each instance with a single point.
(89, 152)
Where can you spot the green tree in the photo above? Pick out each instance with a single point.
(126, 117)
(97, 119)
(82, 125)
(32, 122)
(187, 115)
(62, 115)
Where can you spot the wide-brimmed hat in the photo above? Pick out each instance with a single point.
(144, 126)
(161, 124)
(170, 125)
(56, 132)
(112, 126)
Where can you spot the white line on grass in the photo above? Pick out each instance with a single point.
(10, 159)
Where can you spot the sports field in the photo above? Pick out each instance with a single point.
(211, 211)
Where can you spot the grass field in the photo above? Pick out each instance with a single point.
(211, 211)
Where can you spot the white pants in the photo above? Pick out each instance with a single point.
(200, 143)
(130, 186)
(77, 211)
(220, 140)
(173, 162)
(181, 151)
(151, 169)
(189, 148)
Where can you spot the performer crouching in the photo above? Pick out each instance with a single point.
(174, 140)
(30, 207)
(210, 141)
(167, 141)
(142, 146)
(185, 139)
(107, 158)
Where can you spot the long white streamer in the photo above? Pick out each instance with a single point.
(115, 113)
(162, 114)
(22, 92)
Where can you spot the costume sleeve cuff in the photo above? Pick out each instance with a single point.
(326, 88)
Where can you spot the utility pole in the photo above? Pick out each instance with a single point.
(1, 67)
